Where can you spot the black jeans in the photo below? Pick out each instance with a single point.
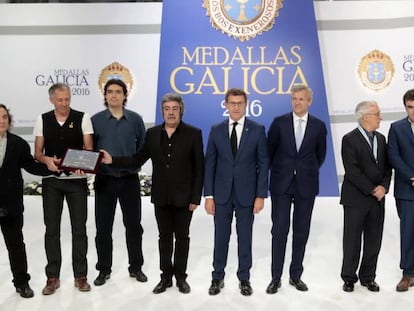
(173, 221)
(11, 226)
(54, 191)
(108, 190)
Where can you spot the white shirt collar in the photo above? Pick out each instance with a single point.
(296, 117)
(240, 122)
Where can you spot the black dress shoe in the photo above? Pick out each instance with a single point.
(371, 285)
(273, 287)
(348, 287)
(101, 279)
(162, 286)
(215, 287)
(139, 275)
(245, 288)
(25, 291)
(183, 286)
(299, 284)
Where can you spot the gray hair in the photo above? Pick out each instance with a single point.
(57, 86)
(363, 108)
(173, 97)
(300, 87)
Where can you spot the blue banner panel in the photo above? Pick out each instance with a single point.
(262, 46)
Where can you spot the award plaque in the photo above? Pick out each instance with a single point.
(85, 160)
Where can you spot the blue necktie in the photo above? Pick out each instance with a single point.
(299, 134)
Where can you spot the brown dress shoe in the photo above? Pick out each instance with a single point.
(82, 284)
(405, 283)
(52, 284)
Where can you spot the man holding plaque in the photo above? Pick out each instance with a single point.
(121, 132)
(56, 131)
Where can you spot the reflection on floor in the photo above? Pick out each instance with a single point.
(322, 268)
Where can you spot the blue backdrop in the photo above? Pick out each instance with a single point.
(201, 62)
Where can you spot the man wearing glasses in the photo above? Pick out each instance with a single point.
(366, 181)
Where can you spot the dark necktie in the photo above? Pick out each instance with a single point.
(371, 139)
(233, 140)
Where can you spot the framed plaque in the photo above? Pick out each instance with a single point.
(85, 160)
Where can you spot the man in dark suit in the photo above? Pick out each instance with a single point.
(176, 151)
(400, 153)
(235, 182)
(297, 148)
(366, 181)
(15, 155)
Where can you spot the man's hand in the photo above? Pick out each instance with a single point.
(106, 157)
(192, 207)
(51, 163)
(379, 192)
(258, 205)
(210, 206)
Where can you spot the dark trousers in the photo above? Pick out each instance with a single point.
(11, 227)
(222, 231)
(405, 210)
(126, 190)
(365, 222)
(173, 221)
(54, 191)
(302, 214)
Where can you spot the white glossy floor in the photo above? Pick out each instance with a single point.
(322, 268)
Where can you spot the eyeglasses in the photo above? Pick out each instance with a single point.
(374, 114)
(236, 104)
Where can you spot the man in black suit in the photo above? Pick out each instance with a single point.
(366, 181)
(176, 151)
(15, 155)
(297, 149)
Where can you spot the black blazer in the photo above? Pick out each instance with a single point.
(180, 182)
(11, 182)
(362, 172)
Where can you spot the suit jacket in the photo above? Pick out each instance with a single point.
(17, 156)
(286, 162)
(362, 171)
(247, 172)
(180, 181)
(401, 155)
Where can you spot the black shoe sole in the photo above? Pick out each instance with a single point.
(24, 294)
(101, 281)
(216, 290)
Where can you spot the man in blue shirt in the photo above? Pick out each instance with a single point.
(121, 132)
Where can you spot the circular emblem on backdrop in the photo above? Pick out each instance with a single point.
(376, 70)
(242, 19)
(115, 71)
